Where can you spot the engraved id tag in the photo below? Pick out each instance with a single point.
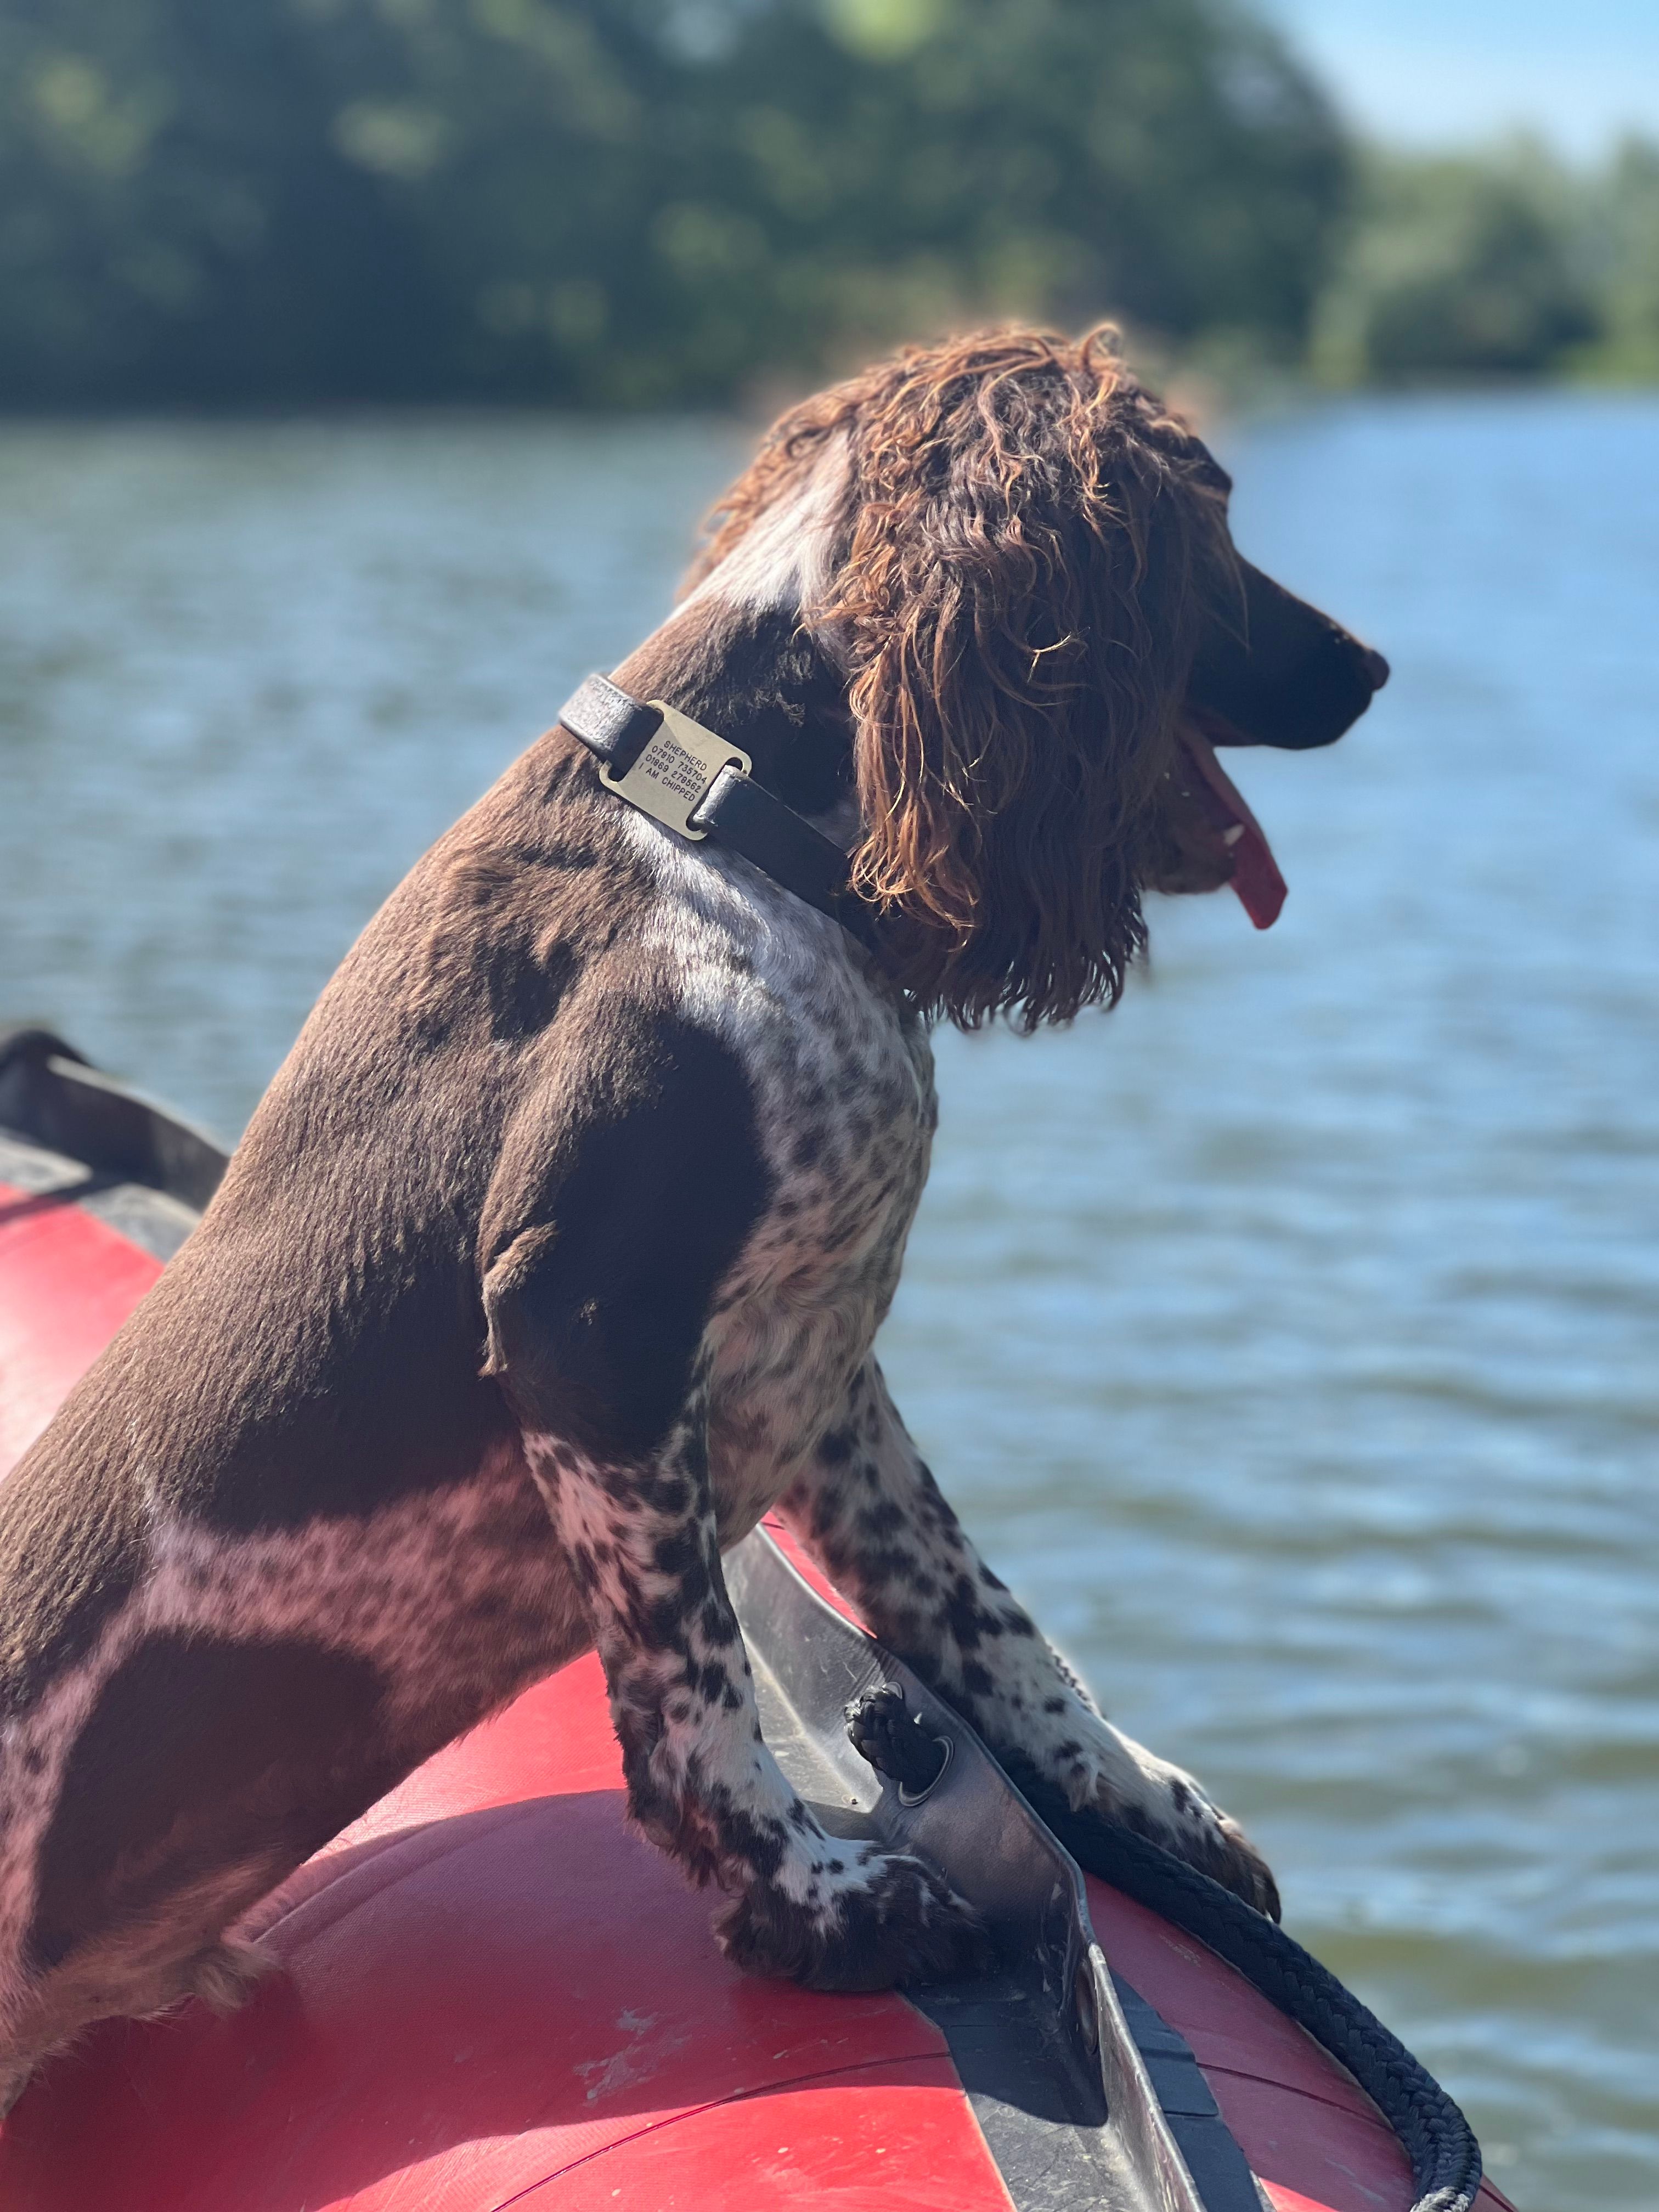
(671, 777)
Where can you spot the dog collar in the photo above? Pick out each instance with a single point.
(697, 784)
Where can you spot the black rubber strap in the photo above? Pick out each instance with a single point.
(614, 726)
(738, 812)
(747, 818)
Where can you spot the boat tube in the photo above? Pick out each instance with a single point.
(492, 1993)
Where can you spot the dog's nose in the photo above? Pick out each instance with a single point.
(1377, 668)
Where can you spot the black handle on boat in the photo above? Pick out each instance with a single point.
(51, 1093)
(1445, 2155)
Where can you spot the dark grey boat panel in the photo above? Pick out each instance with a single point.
(1085, 2096)
(71, 1136)
(1213, 2159)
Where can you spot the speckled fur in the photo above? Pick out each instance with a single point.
(795, 1411)
(552, 1259)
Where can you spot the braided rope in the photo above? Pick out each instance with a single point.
(1438, 2142)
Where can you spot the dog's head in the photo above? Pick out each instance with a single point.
(1019, 562)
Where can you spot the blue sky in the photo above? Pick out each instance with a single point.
(1434, 71)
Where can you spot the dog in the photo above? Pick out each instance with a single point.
(554, 1256)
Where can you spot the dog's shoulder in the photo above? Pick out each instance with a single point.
(627, 1186)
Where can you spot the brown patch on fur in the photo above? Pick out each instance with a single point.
(535, 886)
(139, 1972)
(602, 1253)
(58, 1597)
(200, 1757)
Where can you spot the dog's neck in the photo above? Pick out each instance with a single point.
(736, 656)
(754, 676)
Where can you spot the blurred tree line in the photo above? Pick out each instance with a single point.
(1499, 264)
(637, 202)
(629, 201)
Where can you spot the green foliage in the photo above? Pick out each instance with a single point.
(630, 202)
(1620, 249)
(1500, 263)
(177, 221)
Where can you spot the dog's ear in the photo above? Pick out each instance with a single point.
(1032, 547)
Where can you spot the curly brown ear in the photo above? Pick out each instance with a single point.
(1034, 543)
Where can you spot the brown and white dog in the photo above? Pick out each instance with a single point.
(553, 1255)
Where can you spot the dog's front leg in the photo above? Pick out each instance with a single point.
(870, 1513)
(587, 1353)
(828, 1912)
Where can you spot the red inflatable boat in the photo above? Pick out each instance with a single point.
(494, 1995)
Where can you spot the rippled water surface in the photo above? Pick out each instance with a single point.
(1288, 1338)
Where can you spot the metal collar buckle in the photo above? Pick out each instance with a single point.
(676, 772)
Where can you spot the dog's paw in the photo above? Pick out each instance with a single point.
(1164, 1802)
(1098, 1767)
(1219, 1847)
(869, 1920)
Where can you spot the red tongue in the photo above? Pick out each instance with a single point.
(1261, 889)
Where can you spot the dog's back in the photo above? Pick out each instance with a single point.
(280, 1543)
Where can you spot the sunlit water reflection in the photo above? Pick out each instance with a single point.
(1288, 1338)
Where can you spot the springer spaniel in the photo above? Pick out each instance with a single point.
(554, 1255)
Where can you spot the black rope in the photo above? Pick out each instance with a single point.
(884, 1730)
(1439, 2142)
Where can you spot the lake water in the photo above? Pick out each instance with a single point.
(1288, 1338)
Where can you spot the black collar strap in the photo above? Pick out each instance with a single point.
(698, 785)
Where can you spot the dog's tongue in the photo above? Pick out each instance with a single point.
(1255, 878)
